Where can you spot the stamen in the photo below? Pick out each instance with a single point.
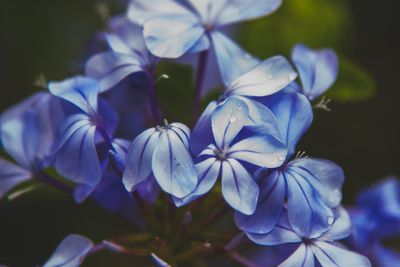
(40, 81)
(323, 104)
(102, 9)
(301, 154)
(162, 77)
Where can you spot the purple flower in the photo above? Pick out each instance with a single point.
(227, 156)
(162, 152)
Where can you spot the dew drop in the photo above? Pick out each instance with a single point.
(281, 158)
(330, 220)
(233, 120)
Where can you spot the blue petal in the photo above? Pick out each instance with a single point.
(238, 187)
(208, 171)
(341, 228)
(318, 69)
(308, 216)
(140, 11)
(29, 130)
(269, 207)
(266, 78)
(110, 68)
(330, 255)
(70, 252)
(261, 150)
(202, 134)
(171, 36)
(302, 257)
(80, 91)
(324, 176)
(139, 159)
(386, 257)
(173, 165)
(232, 11)
(77, 157)
(121, 148)
(227, 120)
(11, 176)
(182, 131)
(233, 61)
(294, 116)
(158, 261)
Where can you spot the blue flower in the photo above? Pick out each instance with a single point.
(162, 152)
(92, 123)
(318, 70)
(227, 156)
(309, 187)
(29, 133)
(174, 28)
(321, 250)
(70, 252)
(265, 79)
(375, 218)
(129, 55)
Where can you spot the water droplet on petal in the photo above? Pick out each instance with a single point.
(233, 120)
(330, 220)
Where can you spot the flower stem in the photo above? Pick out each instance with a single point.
(154, 107)
(201, 69)
(242, 260)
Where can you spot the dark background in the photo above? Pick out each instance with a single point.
(53, 36)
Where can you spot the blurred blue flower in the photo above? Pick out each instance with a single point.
(71, 252)
(376, 218)
(29, 133)
(321, 250)
(162, 152)
(129, 55)
(228, 155)
(173, 28)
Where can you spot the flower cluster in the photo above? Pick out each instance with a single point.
(106, 133)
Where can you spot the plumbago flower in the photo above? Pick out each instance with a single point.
(230, 152)
(162, 153)
(29, 134)
(128, 55)
(321, 250)
(173, 28)
(92, 122)
(309, 187)
(376, 218)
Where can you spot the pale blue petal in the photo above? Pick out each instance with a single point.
(326, 178)
(233, 61)
(269, 207)
(227, 120)
(232, 11)
(330, 255)
(138, 164)
(158, 261)
(302, 257)
(80, 91)
(140, 11)
(294, 116)
(180, 35)
(265, 79)
(308, 216)
(238, 187)
(11, 176)
(318, 69)
(261, 118)
(202, 134)
(70, 252)
(110, 68)
(173, 165)
(261, 150)
(341, 228)
(77, 158)
(182, 131)
(208, 171)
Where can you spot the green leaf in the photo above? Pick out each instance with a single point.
(354, 84)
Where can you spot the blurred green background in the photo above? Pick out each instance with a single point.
(361, 133)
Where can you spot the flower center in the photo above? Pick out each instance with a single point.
(220, 154)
